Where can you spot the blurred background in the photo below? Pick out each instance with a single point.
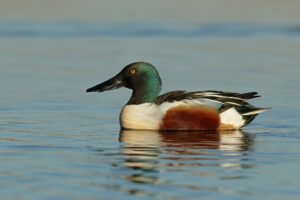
(57, 142)
(190, 11)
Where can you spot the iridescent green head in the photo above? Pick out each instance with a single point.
(141, 77)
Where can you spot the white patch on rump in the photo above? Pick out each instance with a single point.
(232, 117)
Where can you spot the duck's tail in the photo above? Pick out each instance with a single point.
(242, 113)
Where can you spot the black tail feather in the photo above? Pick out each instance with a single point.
(249, 95)
(249, 119)
(249, 112)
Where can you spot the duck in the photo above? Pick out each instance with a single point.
(180, 110)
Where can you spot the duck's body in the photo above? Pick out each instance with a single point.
(177, 110)
(197, 111)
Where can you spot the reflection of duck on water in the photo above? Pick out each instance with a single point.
(142, 150)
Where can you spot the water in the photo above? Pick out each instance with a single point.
(57, 142)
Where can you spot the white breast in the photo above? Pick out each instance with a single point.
(143, 116)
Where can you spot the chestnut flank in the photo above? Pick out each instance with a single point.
(187, 117)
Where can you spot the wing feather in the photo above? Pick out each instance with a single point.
(221, 101)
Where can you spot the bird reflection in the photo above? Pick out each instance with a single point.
(141, 150)
(144, 151)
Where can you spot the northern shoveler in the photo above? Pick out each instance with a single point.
(177, 110)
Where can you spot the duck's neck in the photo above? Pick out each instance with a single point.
(145, 92)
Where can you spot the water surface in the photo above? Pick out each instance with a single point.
(57, 142)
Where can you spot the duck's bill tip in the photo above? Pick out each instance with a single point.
(89, 90)
(111, 84)
(96, 88)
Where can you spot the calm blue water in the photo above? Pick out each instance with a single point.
(57, 142)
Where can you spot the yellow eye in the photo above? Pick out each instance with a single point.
(132, 71)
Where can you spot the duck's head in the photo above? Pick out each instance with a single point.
(141, 77)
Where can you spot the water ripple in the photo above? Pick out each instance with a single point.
(82, 29)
